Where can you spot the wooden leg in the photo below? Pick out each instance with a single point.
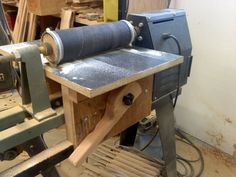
(115, 109)
(69, 111)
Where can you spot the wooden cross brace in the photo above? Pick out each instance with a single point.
(115, 109)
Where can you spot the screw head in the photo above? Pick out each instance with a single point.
(140, 38)
(140, 25)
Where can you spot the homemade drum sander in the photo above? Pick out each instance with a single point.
(106, 75)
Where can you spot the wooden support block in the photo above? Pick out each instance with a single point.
(21, 21)
(115, 109)
(67, 18)
(137, 6)
(45, 7)
(32, 27)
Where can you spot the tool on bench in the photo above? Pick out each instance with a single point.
(107, 84)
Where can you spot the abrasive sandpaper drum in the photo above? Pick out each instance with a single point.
(76, 43)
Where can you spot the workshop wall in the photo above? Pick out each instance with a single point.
(207, 107)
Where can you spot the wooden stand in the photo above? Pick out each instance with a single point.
(103, 116)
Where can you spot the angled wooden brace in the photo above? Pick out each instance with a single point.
(115, 109)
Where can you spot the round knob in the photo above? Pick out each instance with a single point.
(128, 99)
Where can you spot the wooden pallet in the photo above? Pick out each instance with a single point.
(111, 161)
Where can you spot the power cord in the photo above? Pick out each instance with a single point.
(167, 36)
(190, 143)
(186, 163)
(150, 142)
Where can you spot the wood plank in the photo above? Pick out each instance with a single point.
(18, 32)
(70, 116)
(115, 109)
(44, 7)
(136, 6)
(154, 172)
(117, 155)
(123, 166)
(67, 18)
(98, 171)
(32, 27)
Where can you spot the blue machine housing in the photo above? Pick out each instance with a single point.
(152, 28)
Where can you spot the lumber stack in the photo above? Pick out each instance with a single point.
(114, 161)
(10, 2)
(25, 25)
(88, 11)
(46, 7)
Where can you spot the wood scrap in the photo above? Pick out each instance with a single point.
(32, 27)
(137, 6)
(26, 23)
(20, 21)
(88, 12)
(67, 18)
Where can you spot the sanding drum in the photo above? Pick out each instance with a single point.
(77, 43)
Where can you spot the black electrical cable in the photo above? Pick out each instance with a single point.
(181, 135)
(182, 160)
(171, 36)
(184, 141)
(185, 168)
(151, 140)
(166, 36)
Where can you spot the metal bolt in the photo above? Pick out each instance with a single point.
(140, 38)
(146, 90)
(155, 98)
(128, 99)
(140, 25)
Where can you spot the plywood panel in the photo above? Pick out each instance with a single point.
(146, 5)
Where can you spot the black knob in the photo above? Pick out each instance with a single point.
(128, 99)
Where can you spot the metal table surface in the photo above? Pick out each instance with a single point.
(104, 72)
